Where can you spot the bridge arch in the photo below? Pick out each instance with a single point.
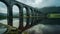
(32, 19)
(30, 14)
(15, 16)
(6, 7)
(3, 12)
(24, 16)
(20, 14)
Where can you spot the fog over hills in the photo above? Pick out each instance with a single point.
(52, 9)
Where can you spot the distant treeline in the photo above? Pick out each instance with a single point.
(4, 16)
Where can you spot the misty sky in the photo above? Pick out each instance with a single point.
(41, 3)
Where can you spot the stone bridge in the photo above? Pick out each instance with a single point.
(34, 15)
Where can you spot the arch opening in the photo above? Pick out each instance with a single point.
(3, 16)
(30, 19)
(3, 13)
(24, 17)
(16, 16)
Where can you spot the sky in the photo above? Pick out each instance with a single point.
(41, 3)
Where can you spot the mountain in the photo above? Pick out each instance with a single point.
(50, 10)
